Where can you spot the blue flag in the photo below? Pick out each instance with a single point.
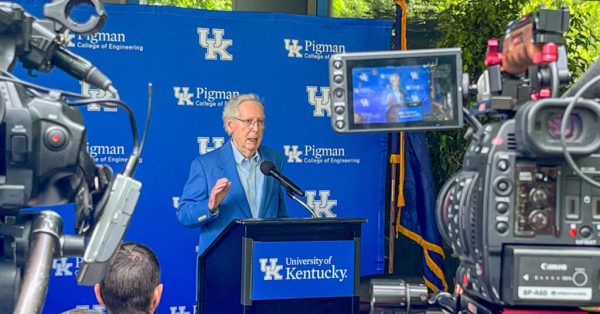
(417, 217)
(417, 195)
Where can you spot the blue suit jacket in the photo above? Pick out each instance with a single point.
(204, 173)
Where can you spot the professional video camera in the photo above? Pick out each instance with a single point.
(523, 215)
(44, 159)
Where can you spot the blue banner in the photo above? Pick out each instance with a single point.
(302, 269)
(196, 60)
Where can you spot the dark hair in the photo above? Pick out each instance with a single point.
(132, 277)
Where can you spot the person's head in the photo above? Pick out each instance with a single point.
(132, 283)
(395, 80)
(244, 121)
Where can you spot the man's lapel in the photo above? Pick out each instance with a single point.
(267, 187)
(228, 170)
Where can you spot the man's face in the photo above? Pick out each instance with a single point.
(246, 137)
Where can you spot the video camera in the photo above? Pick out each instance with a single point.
(523, 214)
(45, 162)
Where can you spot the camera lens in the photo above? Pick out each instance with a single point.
(572, 131)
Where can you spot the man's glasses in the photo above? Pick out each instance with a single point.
(249, 123)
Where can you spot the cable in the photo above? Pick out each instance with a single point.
(471, 120)
(148, 116)
(16, 80)
(135, 153)
(563, 128)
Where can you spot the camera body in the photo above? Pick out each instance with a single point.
(523, 220)
(524, 225)
(43, 140)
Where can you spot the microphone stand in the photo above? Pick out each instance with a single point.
(295, 198)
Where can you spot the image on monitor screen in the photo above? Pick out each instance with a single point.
(396, 90)
(402, 94)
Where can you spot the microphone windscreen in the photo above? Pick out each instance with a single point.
(266, 167)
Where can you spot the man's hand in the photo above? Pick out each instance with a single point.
(218, 193)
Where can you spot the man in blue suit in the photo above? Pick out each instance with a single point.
(227, 184)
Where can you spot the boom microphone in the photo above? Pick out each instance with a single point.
(268, 169)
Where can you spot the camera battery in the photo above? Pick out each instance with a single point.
(546, 275)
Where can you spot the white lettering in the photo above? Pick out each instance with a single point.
(547, 266)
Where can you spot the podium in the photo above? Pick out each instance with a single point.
(282, 266)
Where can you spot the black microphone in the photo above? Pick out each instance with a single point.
(82, 69)
(268, 169)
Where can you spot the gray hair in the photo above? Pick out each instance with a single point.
(231, 109)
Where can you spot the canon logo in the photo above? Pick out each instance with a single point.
(546, 266)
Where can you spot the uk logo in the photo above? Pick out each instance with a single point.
(62, 267)
(97, 93)
(216, 45)
(321, 103)
(175, 201)
(322, 207)
(272, 270)
(183, 95)
(181, 309)
(292, 153)
(294, 50)
(96, 307)
(204, 147)
(68, 38)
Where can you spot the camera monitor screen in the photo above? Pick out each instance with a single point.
(396, 90)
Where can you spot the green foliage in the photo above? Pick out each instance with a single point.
(380, 9)
(349, 8)
(468, 24)
(222, 5)
(446, 151)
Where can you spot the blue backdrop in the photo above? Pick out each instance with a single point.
(196, 60)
